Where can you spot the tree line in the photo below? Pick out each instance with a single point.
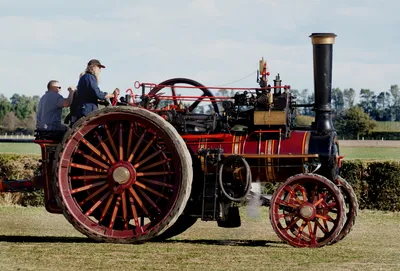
(18, 114)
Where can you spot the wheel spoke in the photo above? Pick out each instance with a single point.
(89, 177)
(326, 225)
(124, 210)
(156, 164)
(114, 214)
(145, 149)
(321, 216)
(286, 204)
(129, 139)
(87, 187)
(156, 182)
(303, 192)
(87, 167)
(139, 201)
(94, 194)
(287, 215)
(137, 146)
(134, 213)
(140, 174)
(173, 92)
(108, 204)
(325, 231)
(196, 103)
(303, 224)
(121, 143)
(294, 221)
(318, 202)
(97, 204)
(149, 200)
(95, 150)
(293, 193)
(148, 158)
(150, 190)
(110, 139)
(94, 160)
(105, 148)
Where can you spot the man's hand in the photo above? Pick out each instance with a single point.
(71, 88)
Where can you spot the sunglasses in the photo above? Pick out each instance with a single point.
(57, 87)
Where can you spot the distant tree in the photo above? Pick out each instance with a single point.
(367, 100)
(23, 106)
(395, 108)
(5, 106)
(10, 122)
(223, 92)
(337, 99)
(29, 123)
(35, 100)
(354, 122)
(349, 96)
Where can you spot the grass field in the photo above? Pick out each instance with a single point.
(31, 239)
(24, 148)
(375, 153)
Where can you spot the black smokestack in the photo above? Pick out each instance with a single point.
(322, 52)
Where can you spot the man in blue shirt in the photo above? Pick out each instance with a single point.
(50, 107)
(88, 94)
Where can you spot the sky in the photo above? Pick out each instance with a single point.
(214, 42)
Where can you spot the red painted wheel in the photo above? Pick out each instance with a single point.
(123, 175)
(351, 203)
(307, 210)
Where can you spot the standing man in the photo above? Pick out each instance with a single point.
(50, 107)
(88, 94)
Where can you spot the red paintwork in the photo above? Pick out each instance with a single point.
(153, 85)
(263, 169)
(48, 176)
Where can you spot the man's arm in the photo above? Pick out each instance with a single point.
(67, 102)
(100, 94)
(92, 82)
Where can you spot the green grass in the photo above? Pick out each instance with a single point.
(32, 239)
(22, 148)
(375, 153)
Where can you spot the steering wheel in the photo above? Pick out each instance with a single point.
(171, 84)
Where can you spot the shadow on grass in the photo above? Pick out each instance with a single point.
(56, 239)
(44, 239)
(228, 242)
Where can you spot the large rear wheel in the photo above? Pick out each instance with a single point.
(123, 175)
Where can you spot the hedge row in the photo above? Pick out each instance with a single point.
(376, 183)
(19, 167)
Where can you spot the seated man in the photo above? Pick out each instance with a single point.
(50, 107)
(88, 94)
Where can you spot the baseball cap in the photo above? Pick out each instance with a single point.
(96, 62)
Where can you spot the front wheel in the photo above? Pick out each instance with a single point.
(307, 210)
(123, 175)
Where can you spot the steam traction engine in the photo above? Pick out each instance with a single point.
(152, 166)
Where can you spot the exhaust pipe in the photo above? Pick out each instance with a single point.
(322, 55)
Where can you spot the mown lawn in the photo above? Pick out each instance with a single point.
(31, 239)
(370, 153)
(22, 148)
